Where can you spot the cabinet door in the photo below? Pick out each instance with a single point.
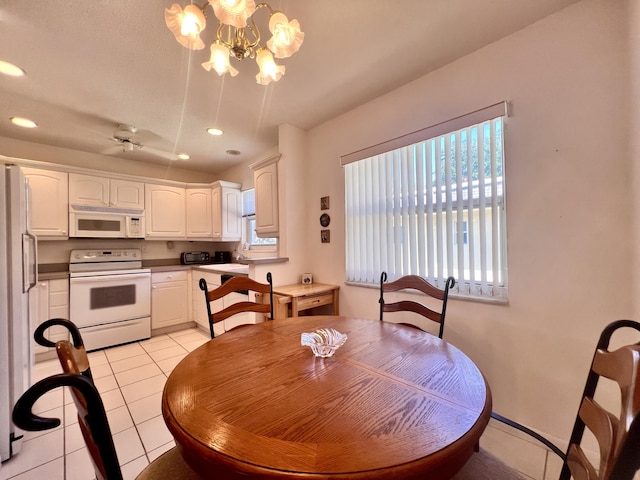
(169, 299)
(199, 218)
(88, 190)
(165, 212)
(216, 212)
(126, 194)
(49, 299)
(226, 213)
(38, 311)
(49, 215)
(199, 301)
(231, 214)
(266, 185)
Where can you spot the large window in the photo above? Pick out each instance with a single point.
(433, 207)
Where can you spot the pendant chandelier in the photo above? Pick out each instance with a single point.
(237, 35)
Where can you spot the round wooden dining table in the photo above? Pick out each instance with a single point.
(393, 402)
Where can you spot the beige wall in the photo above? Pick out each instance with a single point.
(571, 188)
(634, 138)
(569, 200)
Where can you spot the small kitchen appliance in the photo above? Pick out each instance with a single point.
(222, 257)
(195, 258)
(87, 221)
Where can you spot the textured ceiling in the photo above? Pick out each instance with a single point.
(94, 64)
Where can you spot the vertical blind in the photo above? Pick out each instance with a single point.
(434, 207)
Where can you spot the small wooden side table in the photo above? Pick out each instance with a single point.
(298, 297)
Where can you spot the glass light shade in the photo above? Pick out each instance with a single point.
(269, 71)
(23, 122)
(186, 25)
(287, 36)
(219, 61)
(233, 12)
(10, 69)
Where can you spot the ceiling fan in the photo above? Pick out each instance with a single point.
(126, 136)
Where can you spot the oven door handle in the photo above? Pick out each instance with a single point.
(110, 278)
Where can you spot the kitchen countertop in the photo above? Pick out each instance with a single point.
(225, 268)
(61, 270)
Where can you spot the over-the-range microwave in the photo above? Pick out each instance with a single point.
(105, 222)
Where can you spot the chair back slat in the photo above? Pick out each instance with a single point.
(235, 284)
(617, 433)
(415, 282)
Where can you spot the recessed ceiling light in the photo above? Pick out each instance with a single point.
(214, 131)
(23, 122)
(233, 152)
(184, 156)
(11, 69)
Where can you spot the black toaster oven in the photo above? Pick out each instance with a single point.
(195, 258)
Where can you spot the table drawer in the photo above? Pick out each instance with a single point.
(315, 301)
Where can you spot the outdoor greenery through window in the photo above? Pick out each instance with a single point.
(433, 208)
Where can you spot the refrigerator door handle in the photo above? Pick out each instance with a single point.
(29, 267)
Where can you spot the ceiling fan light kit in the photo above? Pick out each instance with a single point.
(237, 35)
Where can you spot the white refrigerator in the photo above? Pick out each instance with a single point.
(18, 274)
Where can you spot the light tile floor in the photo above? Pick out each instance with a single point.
(130, 379)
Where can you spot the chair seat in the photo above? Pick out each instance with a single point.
(169, 465)
(484, 466)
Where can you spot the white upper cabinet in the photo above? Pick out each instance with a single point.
(265, 179)
(165, 212)
(49, 215)
(105, 192)
(226, 201)
(199, 213)
(126, 194)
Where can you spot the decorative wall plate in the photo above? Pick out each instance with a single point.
(325, 220)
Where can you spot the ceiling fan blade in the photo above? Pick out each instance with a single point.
(159, 153)
(115, 150)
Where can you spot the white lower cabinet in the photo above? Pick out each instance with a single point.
(49, 299)
(169, 299)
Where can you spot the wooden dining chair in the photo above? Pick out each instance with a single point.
(414, 282)
(92, 420)
(617, 433)
(237, 283)
(78, 351)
